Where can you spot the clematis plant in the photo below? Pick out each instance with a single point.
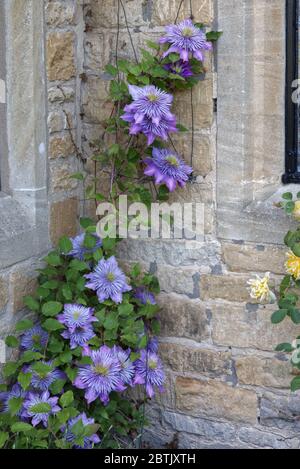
(92, 334)
(81, 350)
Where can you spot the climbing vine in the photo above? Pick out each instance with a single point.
(91, 336)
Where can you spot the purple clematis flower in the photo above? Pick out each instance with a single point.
(186, 40)
(180, 68)
(78, 336)
(151, 102)
(38, 407)
(79, 250)
(149, 371)
(75, 315)
(34, 339)
(41, 380)
(88, 441)
(149, 113)
(100, 378)
(108, 281)
(144, 296)
(167, 168)
(152, 345)
(127, 368)
(15, 393)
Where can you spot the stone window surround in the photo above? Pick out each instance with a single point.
(23, 200)
(251, 120)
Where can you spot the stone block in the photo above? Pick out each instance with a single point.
(61, 146)
(195, 359)
(182, 317)
(213, 398)
(251, 257)
(263, 371)
(60, 13)
(61, 56)
(63, 219)
(227, 287)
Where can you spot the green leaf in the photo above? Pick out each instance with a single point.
(295, 315)
(11, 341)
(52, 325)
(78, 265)
(278, 316)
(111, 70)
(29, 356)
(55, 345)
(287, 196)
(15, 404)
(3, 438)
(24, 379)
(71, 373)
(24, 325)
(296, 249)
(111, 322)
(41, 408)
(50, 285)
(181, 128)
(125, 309)
(213, 35)
(9, 369)
(57, 386)
(284, 347)
(289, 207)
(295, 384)
(114, 149)
(65, 357)
(52, 308)
(65, 245)
(21, 427)
(31, 303)
(153, 45)
(53, 259)
(86, 222)
(42, 369)
(67, 292)
(89, 241)
(66, 399)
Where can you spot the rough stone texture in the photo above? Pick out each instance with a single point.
(214, 398)
(3, 292)
(60, 56)
(182, 317)
(225, 387)
(227, 287)
(263, 371)
(249, 257)
(63, 219)
(22, 282)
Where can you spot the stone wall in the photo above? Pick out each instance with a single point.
(225, 385)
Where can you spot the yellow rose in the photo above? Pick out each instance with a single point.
(296, 211)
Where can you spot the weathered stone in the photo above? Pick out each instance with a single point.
(60, 13)
(184, 357)
(60, 177)
(97, 16)
(249, 257)
(178, 280)
(95, 103)
(236, 326)
(280, 411)
(60, 120)
(203, 105)
(60, 94)
(209, 429)
(23, 281)
(3, 292)
(165, 12)
(182, 317)
(202, 154)
(227, 287)
(262, 439)
(60, 56)
(61, 146)
(215, 399)
(263, 371)
(63, 219)
(173, 252)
